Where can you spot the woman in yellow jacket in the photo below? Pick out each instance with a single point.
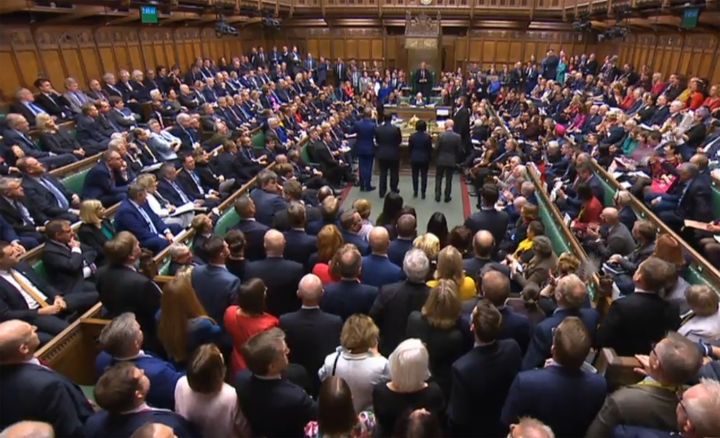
(450, 267)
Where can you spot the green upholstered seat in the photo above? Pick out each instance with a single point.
(75, 181)
(226, 222)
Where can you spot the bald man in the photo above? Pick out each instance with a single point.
(46, 395)
(483, 248)
(281, 276)
(377, 268)
(613, 237)
(28, 429)
(406, 232)
(310, 333)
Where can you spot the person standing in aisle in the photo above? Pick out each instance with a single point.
(388, 138)
(449, 147)
(365, 148)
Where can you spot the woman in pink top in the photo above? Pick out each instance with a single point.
(247, 319)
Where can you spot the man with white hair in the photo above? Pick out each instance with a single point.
(25, 105)
(529, 427)
(311, 334)
(189, 136)
(396, 301)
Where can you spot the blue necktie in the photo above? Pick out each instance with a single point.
(34, 108)
(182, 194)
(197, 181)
(150, 223)
(24, 213)
(61, 199)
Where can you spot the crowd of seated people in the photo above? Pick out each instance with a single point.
(309, 318)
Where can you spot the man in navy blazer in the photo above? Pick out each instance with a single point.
(125, 411)
(365, 148)
(214, 285)
(169, 188)
(570, 294)
(348, 296)
(121, 341)
(267, 197)
(253, 230)
(102, 183)
(29, 390)
(488, 218)
(311, 334)
(299, 244)
(377, 268)
(482, 377)
(47, 193)
(351, 223)
(561, 395)
(136, 217)
(406, 232)
(280, 276)
(274, 406)
(388, 139)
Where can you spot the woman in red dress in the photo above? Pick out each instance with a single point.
(247, 319)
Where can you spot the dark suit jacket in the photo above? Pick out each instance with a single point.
(299, 245)
(379, 270)
(281, 278)
(357, 240)
(496, 222)
(101, 186)
(57, 106)
(461, 120)
(128, 218)
(347, 297)
(696, 203)
(13, 305)
(311, 335)
(7, 233)
(43, 199)
(266, 205)
(541, 342)
(390, 311)
(188, 185)
(480, 382)
(449, 147)
(168, 192)
(216, 288)
(65, 267)
(59, 143)
(420, 145)
(265, 402)
(388, 139)
(123, 289)
(19, 108)
(13, 217)
(89, 132)
(397, 250)
(34, 392)
(106, 424)
(94, 238)
(635, 321)
(254, 232)
(566, 400)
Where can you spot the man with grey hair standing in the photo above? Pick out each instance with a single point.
(122, 341)
(311, 334)
(396, 301)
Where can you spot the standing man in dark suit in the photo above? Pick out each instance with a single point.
(489, 218)
(311, 333)
(395, 302)
(449, 148)
(549, 65)
(423, 80)
(482, 377)
(274, 407)
(406, 232)
(69, 267)
(300, 244)
(635, 322)
(29, 390)
(348, 296)
(253, 230)
(103, 182)
(387, 151)
(214, 285)
(267, 198)
(461, 121)
(351, 223)
(420, 145)
(47, 193)
(378, 270)
(561, 395)
(281, 276)
(365, 148)
(341, 73)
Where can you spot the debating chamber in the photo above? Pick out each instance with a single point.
(360, 218)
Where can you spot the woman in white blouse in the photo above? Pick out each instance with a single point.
(204, 399)
(159, 205)
(702, 322)
(357, 360)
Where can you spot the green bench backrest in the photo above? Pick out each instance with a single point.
(226, 222)
(305, 155)
(39, 268)
(75, 181)
(258, 140)
(164, 269)
(552, 229)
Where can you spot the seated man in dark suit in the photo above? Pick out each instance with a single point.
(53, 102)
(47, 193)
(103, 181)
(348, 296)
(89, 131)
(26, 106)
(26, 221)
(191, 184)
(169, 188)
(267, 197)
(395, 302)
(7, 234)
(135, 216)
(482, 377)
(265, 396)
(18, 144)
(694, 202)
(121, 392)
(121, 341)
(70, 267)
(562, 395)
(570, 294)
(214, 285)
(299, 244)
(488, 218)
(253, 230)
(29, 390)
(281, 276)
(123, 289)
(673, 362)
(636, 321)
(377, 269)
(351, 223)
(311, 333)
(406, 232)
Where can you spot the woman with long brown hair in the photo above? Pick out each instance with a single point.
(184, 324)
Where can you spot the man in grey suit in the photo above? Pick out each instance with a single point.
(612, 238)
(448, 147)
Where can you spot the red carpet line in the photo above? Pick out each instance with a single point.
(467, 206)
